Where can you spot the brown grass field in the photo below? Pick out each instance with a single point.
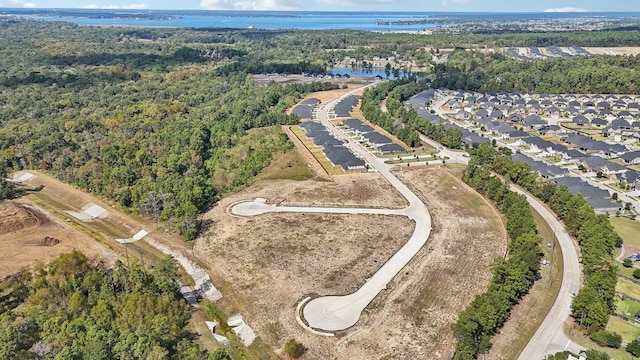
(269, 263)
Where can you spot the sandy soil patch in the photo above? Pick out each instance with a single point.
(613, 50)
(273, 261)
(28, 236)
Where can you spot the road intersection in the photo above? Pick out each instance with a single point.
(335, 313)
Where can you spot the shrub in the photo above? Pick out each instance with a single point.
(593, 354)
(636, 273)
(607, 338)
(294, 348)
(558, 356)
(634, 347)
(627, 263)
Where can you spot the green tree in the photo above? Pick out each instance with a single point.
(589, 310)
(593, 354)
(294, 349)
(634, 347)
(219, 354)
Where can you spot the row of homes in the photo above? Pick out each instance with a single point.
(366, 134)
(568, 147)
(333, 148)
(513, 107)
(306, 108)
(345, 106)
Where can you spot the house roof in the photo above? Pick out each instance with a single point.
(343, 157)
(344, 107)
(620, 124)
(311, 126)
(594, 162)
(630, 177)
(580, 120)
(377, 138)
(603, 205)
(515, 117)
(390, 148)
(589, 191)
(570, 181)
(305, 109)
(469, 138)
(598, 121)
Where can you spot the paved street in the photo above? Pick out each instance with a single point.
(333, 313)
(550, 337)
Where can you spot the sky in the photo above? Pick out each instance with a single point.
(341, 5)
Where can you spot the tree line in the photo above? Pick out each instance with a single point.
(402, 122)
(596, 236)
(128, 119)
(474, 70)
(512, 277)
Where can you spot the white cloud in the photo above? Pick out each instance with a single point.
(16, 4)
(566, 9)
(251, 5)
(130, 6)
(457, 2)
(358, 2)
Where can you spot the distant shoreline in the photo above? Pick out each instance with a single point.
(382, 22)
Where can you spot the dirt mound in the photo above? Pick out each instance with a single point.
(47, 241)
(16, 217)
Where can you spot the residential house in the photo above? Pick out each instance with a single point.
(631, 158)
(515, 118)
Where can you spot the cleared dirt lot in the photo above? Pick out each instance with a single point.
(270, 263)
(28, 236)
(629, 50)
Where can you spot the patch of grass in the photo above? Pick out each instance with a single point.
(628, 272)
(549, 283)
(618, 354)
(627, 229)
(628, 331)
(287, 165)
(629, 288)
(627, 307)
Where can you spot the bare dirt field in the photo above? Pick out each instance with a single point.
(614, 50)
(353, 81)
(28, 236)
(269, 263)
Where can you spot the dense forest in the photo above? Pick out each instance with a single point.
(473, 70)
(147, 124)
(73, 309)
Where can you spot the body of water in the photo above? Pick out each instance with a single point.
(307, 20)
(265, 20)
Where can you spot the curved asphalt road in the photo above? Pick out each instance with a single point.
(333, 313)
(550, 337)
